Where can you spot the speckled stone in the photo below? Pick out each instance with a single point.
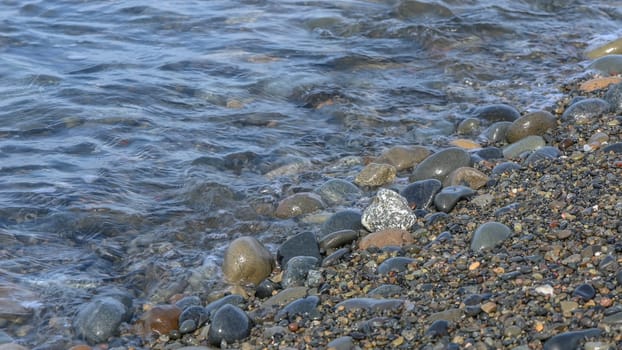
(535, 123)
(338, 191)
(526, 144)
(570, 340)
(385, 238)
(466, 176)
(447, 198)
(296, 270)
(488, 235)
(396, 263)
(385, 291)
(246, 260)
(420, 194)
(305, 307)
(376, 174)
(497, 132)
(299, 204)
(497, 113)
(349, 219)
(440, 164)
(100, 319)
(403, 157)
(388, 210)
(230, 323)
(546, 152)
(614, 97)
(584, 111)
(302, 244)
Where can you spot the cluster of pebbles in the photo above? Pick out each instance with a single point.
(506, 239)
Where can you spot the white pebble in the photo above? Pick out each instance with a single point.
(545, 290)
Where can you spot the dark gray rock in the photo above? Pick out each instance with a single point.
(505, 167)
(305, 307)
(546, 152)
(447, 198)
(192, 318)
(614, 147)
(232, 299)
(497, 132)
(584, 291)
(497, 113)
(396, 263)
(438, 328)
(488, 235)
(570, 340)
(469, 126)
(296, 270)
(335, 257)
(388, 210)
(489, 153)
(440, 164)
(338, 239)
(229, 323)
(265, 289)
(348, 219)
(302, 244)
(614, 97)
(337, 191)
(188, 301)
(420, 194)
(99, 319)
(583, 111)
(607, 65)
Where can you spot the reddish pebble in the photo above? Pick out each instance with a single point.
(161, 319)
(293, 326)
(80, 347)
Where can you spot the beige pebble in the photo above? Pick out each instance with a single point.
(465, 144)
(375, 174)
(386, 237)
(599, 83)
(247, 261)
(489, 307)
(474, 266)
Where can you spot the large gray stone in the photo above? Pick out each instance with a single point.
(440, 164)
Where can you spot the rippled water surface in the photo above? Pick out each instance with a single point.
(138, 137)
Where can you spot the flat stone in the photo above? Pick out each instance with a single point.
(160, 319)
(100, 319)
(335, 257)
(396, 263)
(370, 304)
(615, 318)
(349, 219)
(230, 323)
(466, 176)
(526, 144)
(614, 147)
(505, 167)
(302, 244)
(535, 123)
(497, 112)
(440, 164)
(447, 198)
(584, 111)
(305, 307)
(546, 152)
(420, 194)
(286, 296)
(375, 174)
(488, 235)
(570, 340)
(452, 315)
(385, 238)
(341, 343)
(338, 239)
(388, 210)
(403, 157)
(568, 307)
(299, 204)
(246, 260)
(584, 291)
(489, 153)
(338, 191)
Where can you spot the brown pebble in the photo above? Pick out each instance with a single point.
(160, 319)
(293, 326)
(599, 83)
(465, 144)
(80, 347)
(386, 237)
(489, 307)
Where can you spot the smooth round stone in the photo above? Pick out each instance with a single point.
(386, 238)
(505, 167)
(388, 210)
(610, 48)
(466, 176)
(396, 263)
(370, 304)
(403, 157)
(469, 126)
(305, 307)
(526, 144)
(374, 175)
(265, 289)
(488, 235)
(583, 111)
(338, 239)
(12, 346)
(188, 301)
(497, 132)
(489, 153)
(497, 113)
(584, 291)
(438, 328)
(192, 318)
(335, 257)
(341, 343)
(161, 319)
(348, 219)
(232, 299)
(100, 319)
(615, 318)
(608, 263)
(546, 152)
(536, 123)
(297, 269)
(607, 65)
(230, 323)
(440, 164)
(614, 97)
(614, 147)
(385, 291)
(447, 198)
(420, 194)
(337, 191)
(299, 204)
(302, 244)
(570, 340)
(246, 260)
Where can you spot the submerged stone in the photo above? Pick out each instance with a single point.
(337, 191)
(403, 157)
(375, 174)
(497, 132)
(100, 319)
(497, 113)
(299, 204)
(302, 244)
(584, 111)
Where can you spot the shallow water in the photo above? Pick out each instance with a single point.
(137, 139)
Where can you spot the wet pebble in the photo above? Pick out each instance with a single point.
(420, 194)
(469, 126)
(100, 319)
(535, 123)
(488, 153)
(188, 301)
(266, 289)
(609, 48)
(297, 269)
(232, 299)
(375, 174)
(466, 176)
(349, 219)
(246, 260)
(488, 235)
(614, 97)
(584, 111)
(337, 191)
(570, 340)
(403, 157)
(230, 323)
(160, 319)
(192, 318)
(302, 244)
(505, 167)
(305, 307)
(370, 304)
(438, 328)
(584, 291)
(615, 318)
(388, 210)
(526, 144)
(396, 263)
(299, 204)
(497, 112)
(497, 132)
(337, 239)
(447, 198)
(607, 65)
(440, 164)
(386, 238)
